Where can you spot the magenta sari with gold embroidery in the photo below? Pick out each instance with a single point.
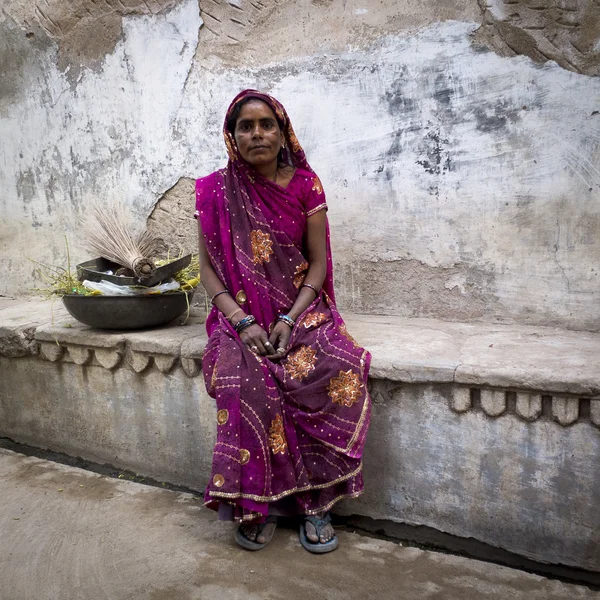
(290, 434)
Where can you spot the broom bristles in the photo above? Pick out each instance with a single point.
(107, 233)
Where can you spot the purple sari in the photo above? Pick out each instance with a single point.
(290, 434)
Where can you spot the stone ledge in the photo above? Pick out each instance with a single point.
(510, 357)
(475, 458)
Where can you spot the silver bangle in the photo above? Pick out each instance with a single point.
(225, 291)
(312, 287)
(287, 320)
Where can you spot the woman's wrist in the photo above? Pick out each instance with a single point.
(236, 316)
(307, 295)
(244, 323)
(287, 319)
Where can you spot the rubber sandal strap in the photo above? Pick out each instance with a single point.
(317, 523)
(247, 543)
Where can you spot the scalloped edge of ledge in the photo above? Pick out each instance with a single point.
(404, 350)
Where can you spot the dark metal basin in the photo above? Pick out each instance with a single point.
(127, 312)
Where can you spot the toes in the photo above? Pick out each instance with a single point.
(327, 534)
(263, 536)
(311, 533)
(251, 534)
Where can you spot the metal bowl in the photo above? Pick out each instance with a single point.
(127, 312)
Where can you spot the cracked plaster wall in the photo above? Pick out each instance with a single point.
(461, 168)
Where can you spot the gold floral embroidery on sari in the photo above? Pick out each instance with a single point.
(313, 319)
(262, 246)
(317, 186)
(300, 274)
(347, 335)
(213, 379)
(230, 146)
(277, 436)
(294, 143)
(300, 362)
(345, 388)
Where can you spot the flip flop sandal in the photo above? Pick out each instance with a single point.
(318, 524)
(244, 542)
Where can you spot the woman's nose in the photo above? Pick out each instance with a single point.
(257, 132)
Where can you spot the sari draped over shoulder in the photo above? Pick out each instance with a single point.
(290, 433)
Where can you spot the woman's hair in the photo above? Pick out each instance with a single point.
(232, 121)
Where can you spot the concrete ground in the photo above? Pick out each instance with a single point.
(67, 534)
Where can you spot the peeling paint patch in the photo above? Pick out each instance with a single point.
(565, 32)
(435, 158)
(411, 288)
(85, 31)
(172, 217)
(259, 33)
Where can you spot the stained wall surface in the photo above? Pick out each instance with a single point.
(458, 142)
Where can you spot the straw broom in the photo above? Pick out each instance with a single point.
(106, 232)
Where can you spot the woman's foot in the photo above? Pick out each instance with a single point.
(260, 532)
(317, 534)
(327, 532)
(254, 536)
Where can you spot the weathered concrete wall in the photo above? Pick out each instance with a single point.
(484, 432)
(460, 163)
(522, 484)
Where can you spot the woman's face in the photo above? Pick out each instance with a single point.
(257, 134)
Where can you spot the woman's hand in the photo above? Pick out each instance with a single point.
(279, 339)
(256, 338)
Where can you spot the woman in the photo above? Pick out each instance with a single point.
(289, 381)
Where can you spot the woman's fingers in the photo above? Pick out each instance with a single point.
(254, 337)
(269, 346)
(274, 337)
(273, 346)
(257, 346)
(284, 338)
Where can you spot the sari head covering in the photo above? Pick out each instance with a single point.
(292, 430)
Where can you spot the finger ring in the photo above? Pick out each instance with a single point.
(254, 348)
(280, 350)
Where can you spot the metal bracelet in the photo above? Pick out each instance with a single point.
(287, 320)
(243, 323)
(235, 312)
(225, 291)
(312, 287)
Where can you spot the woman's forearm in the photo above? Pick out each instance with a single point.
(314, 277)
(224, 302)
